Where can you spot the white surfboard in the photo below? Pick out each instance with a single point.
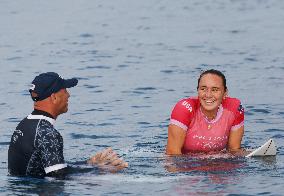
(267, 149)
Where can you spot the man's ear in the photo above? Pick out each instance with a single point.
(53, 98)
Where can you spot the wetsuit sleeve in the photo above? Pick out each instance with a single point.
(50, 144)
(239, 116)
(62, 173)
(182, 114)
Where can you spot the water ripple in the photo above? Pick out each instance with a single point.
(16, 71)
(14, 58)
(263, 111)
(98, 67)
(4, 143)
(143, 123)
(167, 71)
(91, 86)
(274, 130)
(122, 66)
(250, 59)
(105, 124)
(17, 120)
(97, 109)
(145, 88)
(83, 136)
(86, 35)
(141, 106)
(80, 123)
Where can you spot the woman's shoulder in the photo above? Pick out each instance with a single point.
(189, 103)
(231, 103)
(184, 109)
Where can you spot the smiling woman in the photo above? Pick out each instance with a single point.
(210, 122)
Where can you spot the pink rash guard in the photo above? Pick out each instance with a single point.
(203, 135)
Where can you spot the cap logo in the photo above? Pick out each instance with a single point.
(32, 87)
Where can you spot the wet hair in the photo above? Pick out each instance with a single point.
(214, 72)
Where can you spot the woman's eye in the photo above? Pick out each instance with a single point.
(215, 89)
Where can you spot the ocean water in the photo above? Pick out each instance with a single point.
(134, 61)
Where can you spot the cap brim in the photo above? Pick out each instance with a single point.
(70, 82)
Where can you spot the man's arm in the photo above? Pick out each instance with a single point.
(64, 172)
(176, 137)
(106, 159)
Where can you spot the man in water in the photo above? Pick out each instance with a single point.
(36, 147)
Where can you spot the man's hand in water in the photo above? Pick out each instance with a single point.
(108, 159)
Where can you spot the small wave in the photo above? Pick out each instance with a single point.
(122, 66)
(167, 71)
(263, 111)
(98, 67)
(97, 109)
(14, 58)
(80, 123)
(250, 59)
(143, 123)
(82, 136)
(13, 120)
(4, 143)
(134, 136)
(98, 91)
(91, 86)
(145, 88)
(126, 178)
(274, 130)
(140, 106)
(105, 124)
(278, 136)
(86, 35)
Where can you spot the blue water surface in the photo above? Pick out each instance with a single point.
(134, 61)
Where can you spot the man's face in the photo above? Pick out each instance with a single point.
(62, 101)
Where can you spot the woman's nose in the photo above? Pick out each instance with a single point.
(208, 93)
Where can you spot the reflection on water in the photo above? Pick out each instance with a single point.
(225, 165)
(42, 187)
(267, 160)
(206, 175)
(213, 166)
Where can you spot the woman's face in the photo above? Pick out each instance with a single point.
(211, 92)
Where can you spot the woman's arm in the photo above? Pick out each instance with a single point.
(176, 137)
(234, 144)
(235, 139)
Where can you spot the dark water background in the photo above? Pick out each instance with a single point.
(135, 60)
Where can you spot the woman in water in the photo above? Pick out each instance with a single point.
(210, 122)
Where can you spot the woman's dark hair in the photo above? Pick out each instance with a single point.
(215, 72)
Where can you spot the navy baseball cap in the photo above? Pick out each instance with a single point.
(47, 83)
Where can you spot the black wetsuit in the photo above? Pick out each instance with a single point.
(36, 147)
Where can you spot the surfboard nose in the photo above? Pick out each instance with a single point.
(271, 150)
(267, 149)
